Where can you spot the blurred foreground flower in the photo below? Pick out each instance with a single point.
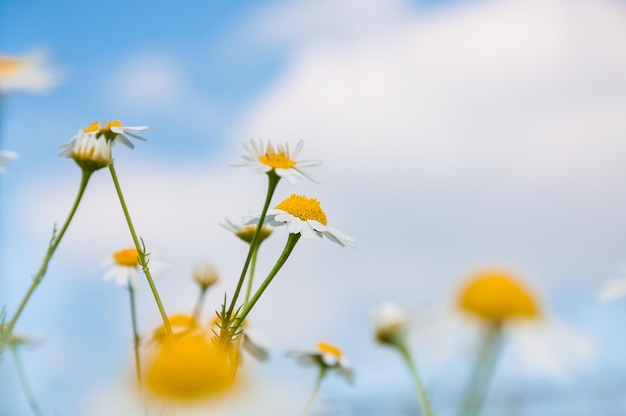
(391, 329)
(181, 325)
(124, 267)
(267, 158)
(499, 302)
(304, 216)
(27, 73)
(4, 155)
(326, 357)
(191, 367)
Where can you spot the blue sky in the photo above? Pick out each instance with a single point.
(453, 135)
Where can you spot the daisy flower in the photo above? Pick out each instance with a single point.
(303, 216)
(391, 328)
(327, 357)
(246, 232)
(497, 300)
(205, 274)
(116, 131)
(390, 324)
(190, 368)
(125, 268)
(280, 160)
(89, 151)
(4, 155)
(27, 73)
(180, 324)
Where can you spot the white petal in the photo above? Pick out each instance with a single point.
(125, 141)
(551, 348)
(317, 226)
(307, 232)
(613, 289)
(295, 225)
(297, 150)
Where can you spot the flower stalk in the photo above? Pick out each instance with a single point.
(318, 383)
(136, 337)
(52, 246)
(292, 240)
(482, 373)
(140, 251)
(226, 331)
(422, 396)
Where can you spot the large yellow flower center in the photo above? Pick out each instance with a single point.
(304, 208)
(104, 130)
(496, 296)
(190, 367)
(9, 65)
(181, 325)
(326, 348)
(128, 257)
(277, 161)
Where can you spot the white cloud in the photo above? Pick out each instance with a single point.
(526, 92)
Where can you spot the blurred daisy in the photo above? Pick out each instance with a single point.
(181, 325)
(4, 155)
(205, 275)
(391, 328)
(124, 268)
(189, 368)
(614, 288)
(89, 151)
(280, 160)
(390, 324)
(303, 216)
(27, 73)
(326, 357)
(502, 308)
(116, 131)
(497, 300)
(246, 232)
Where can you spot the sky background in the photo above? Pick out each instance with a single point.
(454, 135)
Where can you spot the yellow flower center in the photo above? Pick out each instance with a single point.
(128, 257)
(191, 367)
(247, 233)
(277, 161)
(181, 325)
(496, 296)
(104, 131)
(327, 348)
(304, 208)
(9, 65)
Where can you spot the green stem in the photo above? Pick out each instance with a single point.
(54, 243)
(23, 384)
(140, 251)
(422, 396)
(198, 309)
(318, 383)
(273, 180)
(291, 243)
(226, 330)
(136, 338)
(488, 354)
(251, 275)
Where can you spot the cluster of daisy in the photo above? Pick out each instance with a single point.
(498, 304)
(187, 358)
